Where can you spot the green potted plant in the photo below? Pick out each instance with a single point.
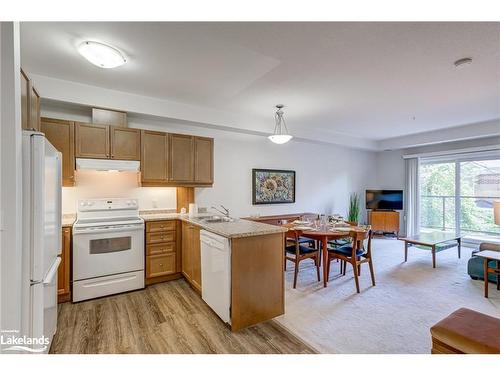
(353, 215)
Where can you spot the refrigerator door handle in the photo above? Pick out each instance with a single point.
(52, 272)
(59, 199)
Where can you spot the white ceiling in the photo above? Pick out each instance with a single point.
(366, 80)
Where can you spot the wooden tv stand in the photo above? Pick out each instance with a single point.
(384, 221)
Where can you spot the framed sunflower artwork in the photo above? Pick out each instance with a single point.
(273, 186)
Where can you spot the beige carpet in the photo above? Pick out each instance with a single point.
(392, 317)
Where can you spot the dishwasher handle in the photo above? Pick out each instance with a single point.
(212, 243)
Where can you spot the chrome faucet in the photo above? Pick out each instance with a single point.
(225, 212)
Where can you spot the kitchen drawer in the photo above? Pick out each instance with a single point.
(159, 237)
(160, 226)
(160, 265)
(161, 248)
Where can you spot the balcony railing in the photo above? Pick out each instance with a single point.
(445, 223)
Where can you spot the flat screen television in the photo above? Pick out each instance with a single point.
(384, 199)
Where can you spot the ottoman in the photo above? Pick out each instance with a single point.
(466, 332)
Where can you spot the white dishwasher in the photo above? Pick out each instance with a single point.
(216, 273)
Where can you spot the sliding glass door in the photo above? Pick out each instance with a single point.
(437, 196)
(456, 195)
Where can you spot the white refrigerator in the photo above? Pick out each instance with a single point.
(42, 188)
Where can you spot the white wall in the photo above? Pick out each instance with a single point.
(326, 174)
(390, 170)
(11, 188)
(149, 198)
(390, 164)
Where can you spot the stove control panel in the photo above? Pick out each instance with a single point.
(108, 204)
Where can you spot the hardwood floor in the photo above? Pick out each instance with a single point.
(164, 318)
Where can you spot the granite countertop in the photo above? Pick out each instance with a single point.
(232, 229)
(237, 228)
(68, 220)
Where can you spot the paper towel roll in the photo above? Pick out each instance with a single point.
(193, 209)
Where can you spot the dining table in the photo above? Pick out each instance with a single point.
(323, 234)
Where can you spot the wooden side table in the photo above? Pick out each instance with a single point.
(488, 255)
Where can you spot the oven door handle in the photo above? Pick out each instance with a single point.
(77, 231)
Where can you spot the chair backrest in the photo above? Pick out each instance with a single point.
(489, 246)
(292, 234)
(358, 238)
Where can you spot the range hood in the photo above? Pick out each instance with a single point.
(107, 165)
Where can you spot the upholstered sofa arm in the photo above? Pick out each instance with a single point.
(489, 246)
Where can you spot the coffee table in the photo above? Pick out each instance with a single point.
(436, 241)
(488, 255)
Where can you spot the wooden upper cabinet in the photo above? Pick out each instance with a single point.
(203, 160)
(61, 134)
(109, 117)
(30, 104)
(34, 109)
(91, 141)
(154, 157)
(181, 158)
(25, 92)
(125, 143)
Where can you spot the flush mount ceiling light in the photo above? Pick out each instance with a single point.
(462, 62)
(281, 134)
(101, 55)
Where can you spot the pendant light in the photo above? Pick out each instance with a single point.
(281, 134)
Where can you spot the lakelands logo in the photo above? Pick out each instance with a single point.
(10, 341)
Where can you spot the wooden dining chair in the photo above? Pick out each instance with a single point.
(342, 241)
(302, 240)
(354, 253)
(296, 252)
(335, 244)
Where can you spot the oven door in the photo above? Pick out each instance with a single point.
(107, 251)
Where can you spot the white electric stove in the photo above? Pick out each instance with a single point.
(108, 248)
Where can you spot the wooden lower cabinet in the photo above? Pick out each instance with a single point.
(191, 255)
(257, 279)
(161, 264)
(162, 251)
(384, 221)
(64, 270)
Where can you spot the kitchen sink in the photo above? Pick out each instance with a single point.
(217, 219)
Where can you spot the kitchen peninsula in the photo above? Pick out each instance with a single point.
(256, 261)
